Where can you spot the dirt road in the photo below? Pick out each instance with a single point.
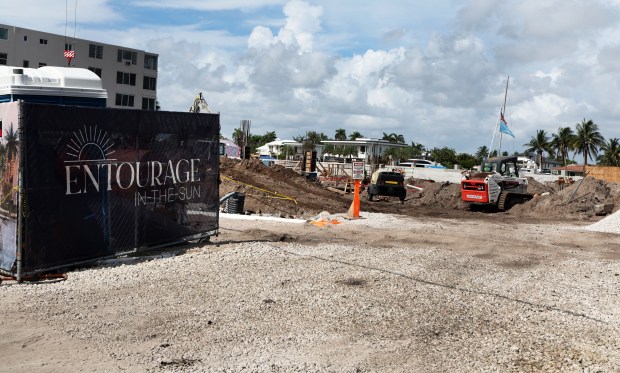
(383, 293)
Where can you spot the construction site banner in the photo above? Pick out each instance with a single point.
(98, 183)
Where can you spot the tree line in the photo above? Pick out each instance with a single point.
(586, 140)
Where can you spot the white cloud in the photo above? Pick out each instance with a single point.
(260, 38)
(57, 16)
(302, 20)
(432, 71)
(553, 75)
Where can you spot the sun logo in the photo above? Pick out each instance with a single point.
(89, 145)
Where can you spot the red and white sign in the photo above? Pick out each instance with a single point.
(358, 170)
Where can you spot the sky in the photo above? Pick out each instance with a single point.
(432, 71)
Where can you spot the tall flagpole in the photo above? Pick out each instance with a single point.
(499, 151)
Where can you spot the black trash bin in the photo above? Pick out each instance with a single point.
(234, 204)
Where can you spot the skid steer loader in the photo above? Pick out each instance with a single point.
(497, 185)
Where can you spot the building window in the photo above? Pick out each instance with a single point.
(149, 83)
(95, 51)
(96, 70)
(41, 64)
(3, 58)
(4, 33)
(150, 62)
(125, 78)
(128, 57)
(148, 103)
(26, 63)
(43, 41)
(68, 47)
(25, 37)
(124, 100)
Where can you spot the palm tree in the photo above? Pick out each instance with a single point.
(355, 135)
(350, 151)
(238, 137)
(11, 143)
(341, 134)
(390, 137)
(482, 152)
(329, 149)
(286, 151)
(10, 148)
(611, 153)
(2, 158)
(394, 138)
(561, 142)
(538, 144)
(313, 138)
(417, 149)
(269, 137)
(587, 140)
(399, 154)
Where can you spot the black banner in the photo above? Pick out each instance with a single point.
(101, 182)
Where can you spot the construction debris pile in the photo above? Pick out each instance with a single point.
(577, 201)
(283, 192)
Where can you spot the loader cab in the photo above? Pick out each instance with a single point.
(505, 166)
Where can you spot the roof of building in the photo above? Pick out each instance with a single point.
(364, 141)
(49, 80)
(570, 167)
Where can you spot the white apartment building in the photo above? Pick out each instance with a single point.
(128, 75)
(369, 150)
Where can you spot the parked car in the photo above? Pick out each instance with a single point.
(545, 171)
(387, 183)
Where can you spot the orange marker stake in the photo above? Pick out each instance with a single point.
(356, 200)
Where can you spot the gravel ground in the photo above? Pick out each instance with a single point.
(609, 224)
(379, 294)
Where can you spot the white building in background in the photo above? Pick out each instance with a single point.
(368, 150)
(128, 75)
(277, 147)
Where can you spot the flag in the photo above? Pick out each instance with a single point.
(503, 128)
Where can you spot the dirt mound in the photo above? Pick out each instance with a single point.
(283, 192)
(277, 190)
(573, 202)
(442, 195)
(536, 187)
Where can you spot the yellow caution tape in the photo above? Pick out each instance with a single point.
(14, 189)
(275, 194)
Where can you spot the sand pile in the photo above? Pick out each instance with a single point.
(442, 195)
(610, 224)
(573, 202)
